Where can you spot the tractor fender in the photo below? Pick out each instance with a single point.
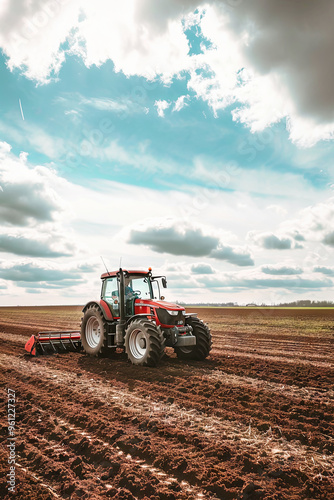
(189, 315)
(137, 316)
(103, 307)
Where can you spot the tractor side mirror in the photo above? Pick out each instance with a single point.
(164, 282)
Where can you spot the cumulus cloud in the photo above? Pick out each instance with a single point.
(178, 238)
(31, 210)
(329, 271)
(31, 34)
(48, 247)
(279, 42)
(329, 239)
(237, 256)
(35, 277)
(298, 237)
(278, 68)
(272, 242)
(312, 223)
(161, 107)
(50, 285)
(202, 269)
(238, 282)
(180, 103)
(20, 205)
(281, 270)
(26, 193)
(30, 272)
(275, 67)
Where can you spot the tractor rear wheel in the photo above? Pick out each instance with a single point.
(144, 343)
(94, 331)
(203, 341)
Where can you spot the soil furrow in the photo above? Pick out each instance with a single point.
(133, 405)
(275, 358)
(295, 354)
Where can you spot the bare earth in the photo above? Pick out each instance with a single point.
(253, 421)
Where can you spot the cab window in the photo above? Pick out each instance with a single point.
(110, 295)
(139, 288)
(110, 289)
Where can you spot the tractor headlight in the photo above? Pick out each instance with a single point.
(172, 313)
(184, 313)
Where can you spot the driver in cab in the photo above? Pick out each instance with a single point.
(129, 293)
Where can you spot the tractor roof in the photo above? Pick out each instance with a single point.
(113, 274)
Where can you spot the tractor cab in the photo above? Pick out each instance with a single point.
(137, 285)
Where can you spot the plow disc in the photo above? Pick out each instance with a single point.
(51, 342)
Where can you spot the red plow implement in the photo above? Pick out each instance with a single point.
(51, 342)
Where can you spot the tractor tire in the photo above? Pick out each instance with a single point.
(203, 341)
(144, 343)
(94, 332)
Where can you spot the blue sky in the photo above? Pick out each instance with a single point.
(174, 137)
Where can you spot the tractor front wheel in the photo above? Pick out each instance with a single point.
(144, 343)
(203, 341)
(94, 331)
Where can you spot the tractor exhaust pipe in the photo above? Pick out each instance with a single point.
(120, 327)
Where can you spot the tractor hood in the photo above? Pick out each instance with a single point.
(159, 303)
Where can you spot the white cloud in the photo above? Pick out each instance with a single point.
(31, 208)
(262, 60)
(161, 107)
(100, 215)
(246, 285)
(277, 209)
(311, 227)
(35, 273)
(257, 282)
(202, 268)
(329, 271)
(313, 223)
(182, 238)
(137, 157)
(180, 103)
(27, 193)
(271, 241)
(50, 245)
(105, 104)
(34, 137)
(281, 270)
(122, 106)
(32, 32)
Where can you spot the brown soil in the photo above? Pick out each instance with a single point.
(253, 421)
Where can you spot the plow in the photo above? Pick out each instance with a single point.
(54, 342)
(131, 314)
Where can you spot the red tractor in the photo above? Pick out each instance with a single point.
(131, 314)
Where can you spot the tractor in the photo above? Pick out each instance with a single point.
(132, 314)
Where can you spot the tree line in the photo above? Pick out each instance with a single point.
(296, 303)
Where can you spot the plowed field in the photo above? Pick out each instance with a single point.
(253, 421)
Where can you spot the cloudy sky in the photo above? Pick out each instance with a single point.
(193, 137)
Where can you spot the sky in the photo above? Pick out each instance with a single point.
(192, 137)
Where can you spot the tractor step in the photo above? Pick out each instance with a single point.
(55, 341)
